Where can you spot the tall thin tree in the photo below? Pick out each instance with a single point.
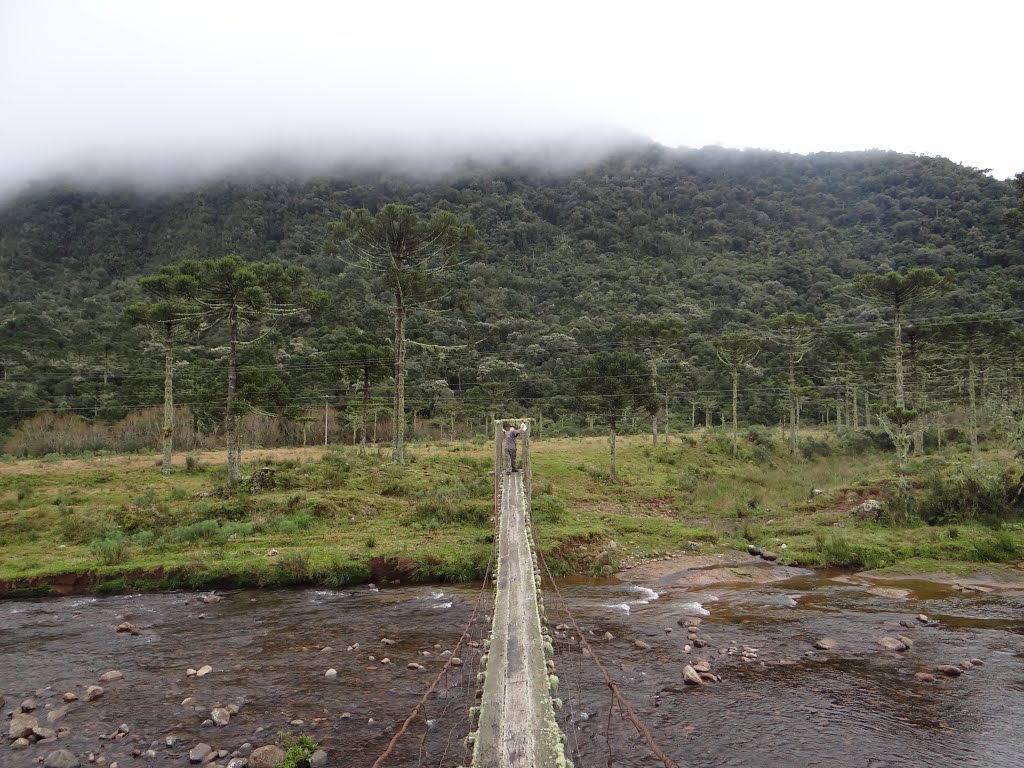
(736, 350)
(410, 255)
(896, 292)
(239, 295)
(169, 321)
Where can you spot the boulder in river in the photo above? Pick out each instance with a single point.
(270, 756)
(199, 753)
(61, 758)
(204, 670)
(56, 715)
(127, 626)
(22, 725)
(892, 644)
(28, 705)
(92, 693)
(925, 677)
(691, 676)
(643, 646)
(220, 716)
(949, 670)
(331, 673)
(111, 676)
(69, 697)
(826, 644)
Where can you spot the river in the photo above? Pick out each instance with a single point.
(780, 702)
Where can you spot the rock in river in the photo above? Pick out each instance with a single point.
(269, 756)
(22, 725)
(690, 676)
(892, 644)
(61, 758)
(949, 670)
(826, 644)
(220, 716)
(199, 753)
(92, 693)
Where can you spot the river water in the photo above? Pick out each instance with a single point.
(783, 703)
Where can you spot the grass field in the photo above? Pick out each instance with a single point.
(111, 523)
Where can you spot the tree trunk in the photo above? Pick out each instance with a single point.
(366, 410)
(234, 451)
(612, 474)
(168, 409)
(398, 425)
(666, 418)
(693, 415)
(792, 406)
(972, 404)
(856, 412)
(867, 409)
(654, 427)
(735, 418)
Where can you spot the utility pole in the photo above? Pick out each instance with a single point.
(327, 399)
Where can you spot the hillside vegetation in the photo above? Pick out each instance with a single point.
(651, 249)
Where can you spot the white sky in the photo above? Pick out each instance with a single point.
(153, 87)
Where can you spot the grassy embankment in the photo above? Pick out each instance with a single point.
(112, 523)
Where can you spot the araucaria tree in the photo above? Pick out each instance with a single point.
(613, 383)
(169, 321)
(240, 295)
(795, 333)
(366, 363)
(410, 255)
(736, 350)
(897, 292)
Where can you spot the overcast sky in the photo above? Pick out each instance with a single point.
(173, 88)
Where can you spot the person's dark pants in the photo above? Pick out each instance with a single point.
(510, 459)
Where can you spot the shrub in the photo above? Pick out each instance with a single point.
(295, 565)
(978, 491)
(298, 751)
(812, 447)
(998, 549)
(110, 549)
(856, 443)
(192, 464)
(203, 530)
(760, 435)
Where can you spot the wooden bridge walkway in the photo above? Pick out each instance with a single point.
(517, 727)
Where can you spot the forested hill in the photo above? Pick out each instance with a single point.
(708, 237)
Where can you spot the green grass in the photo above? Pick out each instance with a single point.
(124, 524)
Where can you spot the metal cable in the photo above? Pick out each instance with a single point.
(624, 705)
(444, 671)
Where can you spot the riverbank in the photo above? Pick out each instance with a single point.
(330, 517)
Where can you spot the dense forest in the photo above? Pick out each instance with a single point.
(651, 250)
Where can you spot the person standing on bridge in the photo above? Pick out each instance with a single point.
(511, 436)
